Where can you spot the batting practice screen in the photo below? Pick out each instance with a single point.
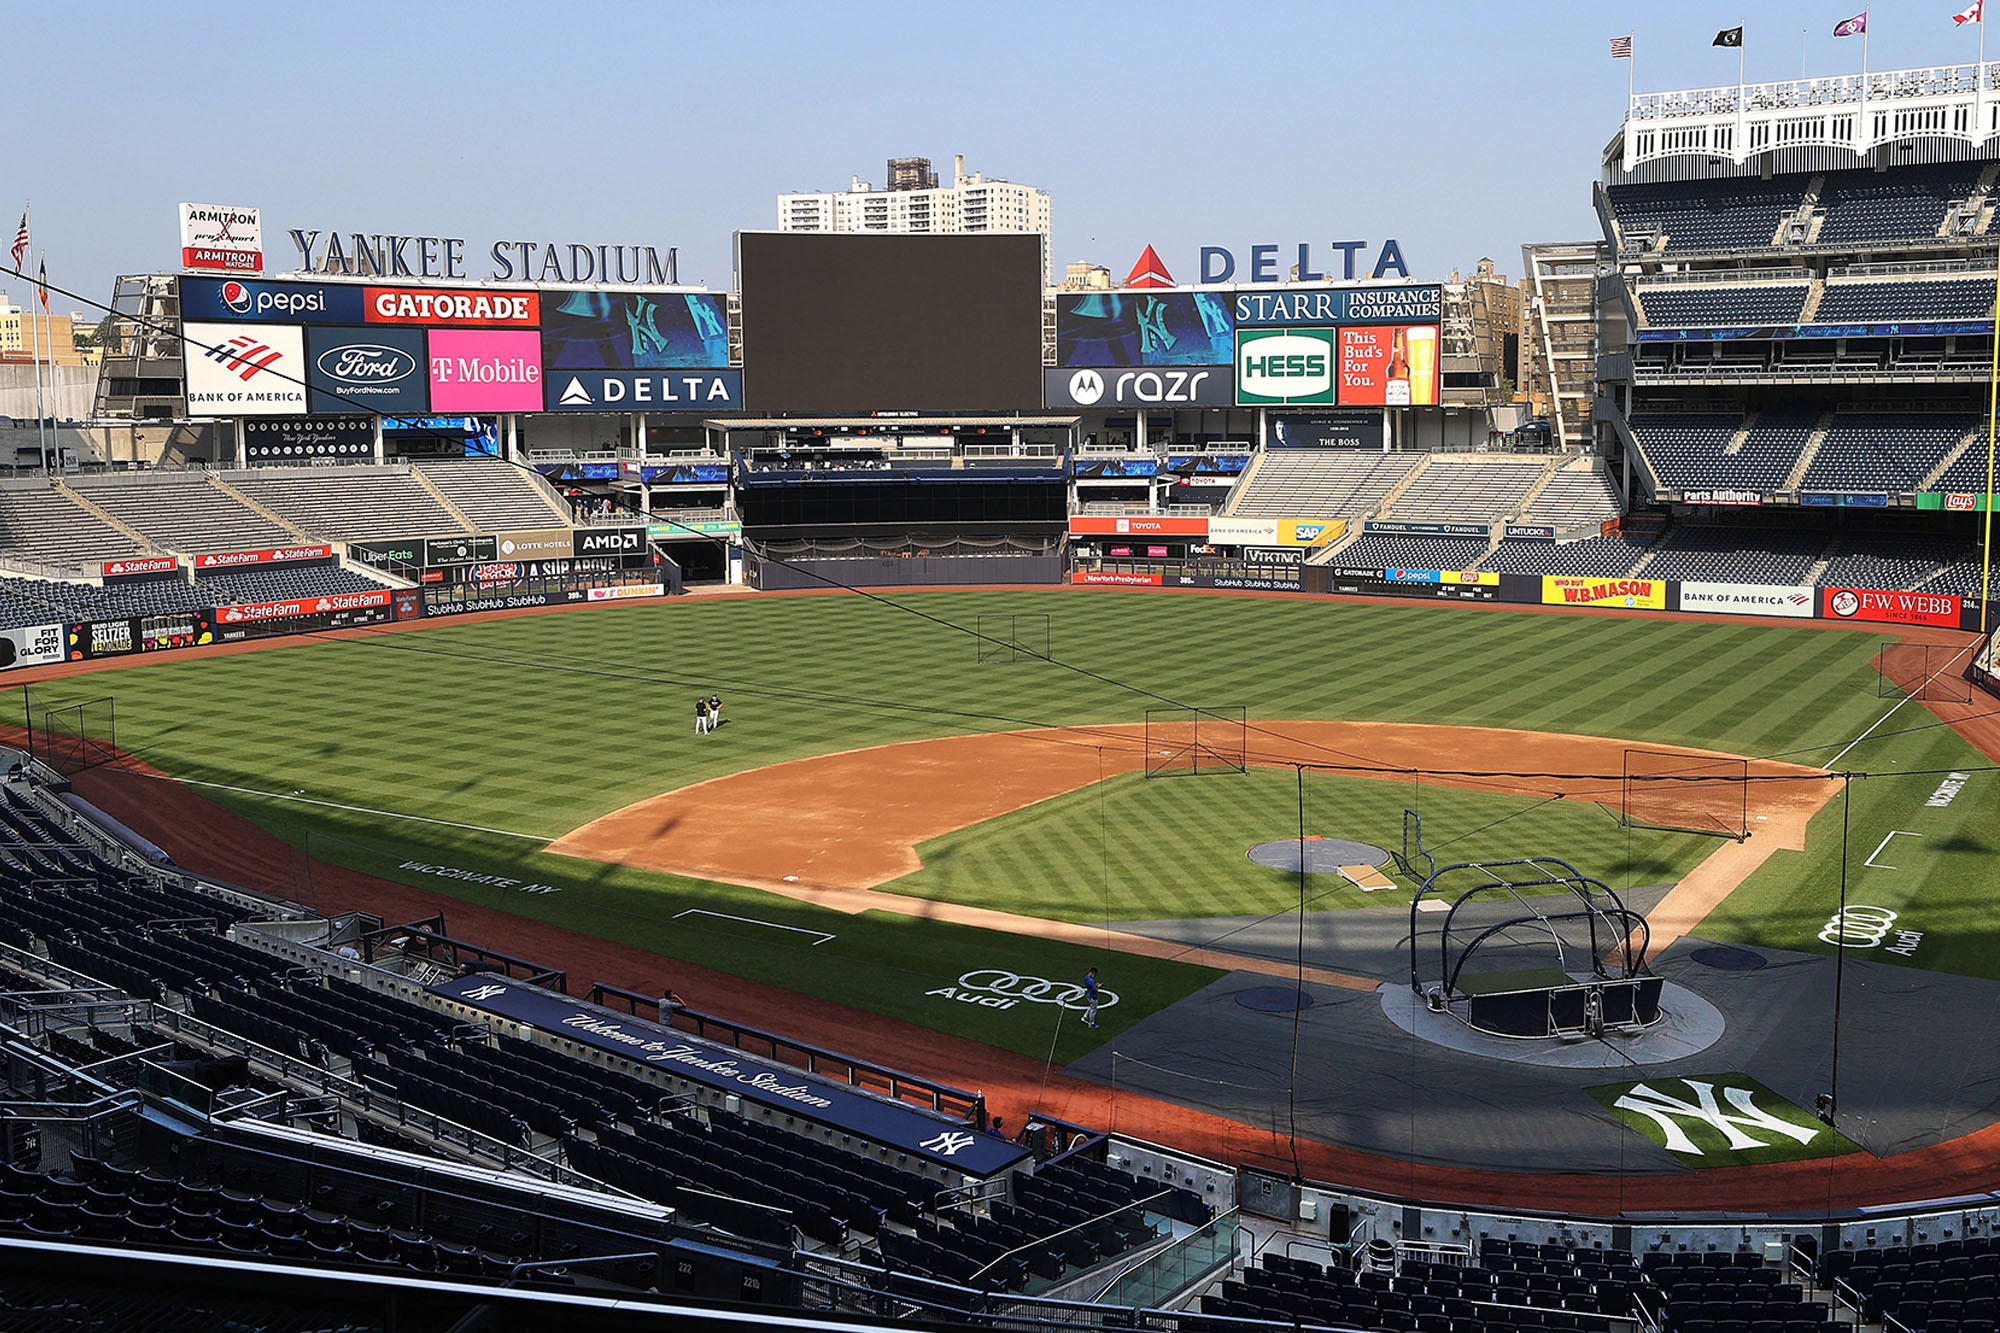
(1191, 741)
(1692, 793)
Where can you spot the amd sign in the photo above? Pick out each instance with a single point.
(607, 541)
(1128, 386)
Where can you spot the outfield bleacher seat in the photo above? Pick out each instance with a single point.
(348, 503)
(1734, 214)
(1320, 483)
(1884, 451)
(1384, 551)
(234, 587)
(1908, 203)
(1468, 488)
(183, 511)
(45, 525)
(1906, 302)
(1736, 555)
(1597, 557)
(1711, 305)
(496, 495)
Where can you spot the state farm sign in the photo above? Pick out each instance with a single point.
(1890, 608)
(276, 555)
(305, 606)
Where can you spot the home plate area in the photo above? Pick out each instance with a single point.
(1730, 1076)
(1356, 861)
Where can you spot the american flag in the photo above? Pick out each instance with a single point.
(21, 239)
(1621, 47)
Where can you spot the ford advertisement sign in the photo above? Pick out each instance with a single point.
(380, 371)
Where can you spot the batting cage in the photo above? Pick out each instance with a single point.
(1014, 638)
(1686, 793)
(1193, 741)
(76, 736)
(1926, 672)
(1530, 948)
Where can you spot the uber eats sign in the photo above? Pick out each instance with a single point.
(1286, 365)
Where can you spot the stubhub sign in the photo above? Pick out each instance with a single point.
(645, 390)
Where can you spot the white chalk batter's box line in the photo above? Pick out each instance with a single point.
(753, 921)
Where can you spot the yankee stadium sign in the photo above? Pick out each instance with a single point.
(357, 254)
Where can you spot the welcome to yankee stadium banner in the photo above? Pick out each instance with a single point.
(780, 1087)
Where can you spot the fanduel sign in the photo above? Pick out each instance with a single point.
(645, 390)
(357, 254)
(1218, 263)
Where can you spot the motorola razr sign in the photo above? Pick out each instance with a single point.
(1139, 386)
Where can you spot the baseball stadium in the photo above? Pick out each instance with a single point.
(1187, 824)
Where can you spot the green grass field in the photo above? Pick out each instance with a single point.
(486, 739)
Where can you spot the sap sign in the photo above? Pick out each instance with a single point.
(283, 302)
(1126, 386)
(1218, 263)
(645, 390)
(1285, 367)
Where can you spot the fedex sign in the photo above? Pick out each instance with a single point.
(1218, 263)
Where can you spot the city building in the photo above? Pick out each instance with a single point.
(22, 326)
(1481, 331)
(915, 202)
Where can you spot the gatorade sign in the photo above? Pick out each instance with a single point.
(1285, 366)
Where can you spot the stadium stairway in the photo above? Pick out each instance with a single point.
(437, 492)
(103, 515)
(259, 508)
(1952, 455)
(1243, 482)
(1809, 453)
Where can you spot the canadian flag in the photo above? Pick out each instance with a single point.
(1972, 13)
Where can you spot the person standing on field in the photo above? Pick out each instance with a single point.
(714, 711)
(1090, 998)
(700, 716)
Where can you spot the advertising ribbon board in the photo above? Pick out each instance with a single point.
(1116, 578)
(821, 1101)
(1139, 525)
(279, 555)
(251, 612)
(1747, 599)
(140, 567)
(535, 544)
(1891, 608)
(1564, 590)
(625, 590)
(36, 645)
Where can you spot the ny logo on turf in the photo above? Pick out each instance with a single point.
(947, 1144)
(1666, 1111)
(485, 992)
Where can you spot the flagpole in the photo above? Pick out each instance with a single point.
(1986, 500)
(1742, 153)
(1979, 84)
(41, 342)
(1632, 70)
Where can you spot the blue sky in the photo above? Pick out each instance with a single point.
(1459, 129)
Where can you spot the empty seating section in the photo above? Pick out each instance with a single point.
(1575, 497)
(1968, 471)
(1320, 483)
(1908, 203)
(1952, 1286)
(1898, 560)
(1709, 215)
(1597, 557)
(43, 524)
(1736, 555)
(1884, 451)
(251, 1211)
(1713, 1293)
(1711, 305)
(1512, 1285)
(266, 585)
(1380, 551)
(1468, 488)
(497, 496)
(348, 503)
(40, 601)
(1690, 450)
(183, 511)
(1906, 302)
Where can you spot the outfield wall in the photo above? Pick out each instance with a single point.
(1876, 606)
(894, 571)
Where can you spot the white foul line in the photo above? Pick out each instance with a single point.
(355, 809)
(1893, 833)
(1928, 678)
(753, 921)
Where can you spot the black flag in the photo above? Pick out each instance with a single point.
(1729, 37)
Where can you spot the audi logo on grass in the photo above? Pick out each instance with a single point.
(1865, 927)
(993, 988)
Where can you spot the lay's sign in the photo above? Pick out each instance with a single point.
(1564, 590)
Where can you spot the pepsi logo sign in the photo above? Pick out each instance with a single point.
(237, 297)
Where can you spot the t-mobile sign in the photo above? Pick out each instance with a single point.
(482, 370)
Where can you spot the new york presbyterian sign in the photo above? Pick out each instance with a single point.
(357, 254)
